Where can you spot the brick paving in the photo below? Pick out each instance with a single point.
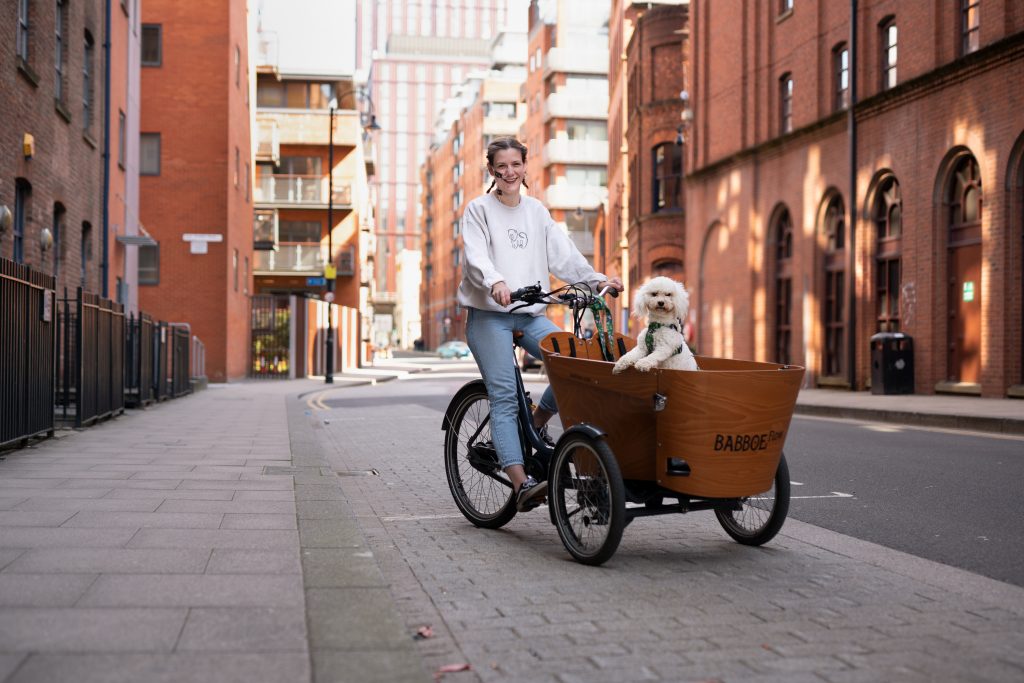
(245, 534)
(678, 602)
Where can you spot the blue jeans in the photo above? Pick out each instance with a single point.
(489, 335)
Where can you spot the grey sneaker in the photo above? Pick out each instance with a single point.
(546, 437)
(531, 494)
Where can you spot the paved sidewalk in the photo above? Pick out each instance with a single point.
(166, 546)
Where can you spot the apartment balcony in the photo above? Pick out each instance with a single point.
(576, 105)
(291, 259)
(494, 125)
(563, 151)
(576, 61)
(268, 143)
(312, 127)
(267, 45)
(299, 191)
(264, 229)
(571, 197)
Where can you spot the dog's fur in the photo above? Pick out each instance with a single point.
(665, 301)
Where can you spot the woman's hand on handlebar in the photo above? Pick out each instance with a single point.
(501, 293)
(613, 285)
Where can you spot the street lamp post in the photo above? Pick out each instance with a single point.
(329, 269)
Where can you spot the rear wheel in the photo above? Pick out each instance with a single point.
(761, 516)
(480, 488)
(588, 498)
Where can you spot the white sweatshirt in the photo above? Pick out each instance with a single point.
(520, 246)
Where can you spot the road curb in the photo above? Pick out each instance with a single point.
(977, 423)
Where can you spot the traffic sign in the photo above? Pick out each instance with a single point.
(329, 297)
(316, 282)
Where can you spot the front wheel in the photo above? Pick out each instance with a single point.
(759, 517)
(588, 499)
(480, 488)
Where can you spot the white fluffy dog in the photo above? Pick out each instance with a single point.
(665, 303)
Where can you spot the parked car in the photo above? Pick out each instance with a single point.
(453, 349)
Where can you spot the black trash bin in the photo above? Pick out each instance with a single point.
(892, 363)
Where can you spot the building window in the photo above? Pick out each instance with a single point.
(668, 177)
(970, 26)
(60, 56)
(965, 202)
(841, 76)
(785, 6)
(152, 45)
(782, 255)
(121, 140)
(149, 265)
(23, 30)
(834, 310)
(58, 238)
(238, 165)
(85, 253)
(245, 276)
(22, 192)
(887, 215)
(889, 53)
(234, 267)
(238, 66)
(149, 154)
(248, 181)
(785, 104)
(88, 66)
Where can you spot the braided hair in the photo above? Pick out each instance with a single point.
(500, 144)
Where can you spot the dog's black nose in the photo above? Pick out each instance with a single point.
(661, 304)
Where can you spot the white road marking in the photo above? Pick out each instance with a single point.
(835, 494)
(796, 483)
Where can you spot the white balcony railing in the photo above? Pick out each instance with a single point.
(305, 258)
(279, 189)
(267, 44)
(562, 151)
(576, 105)
(494, 125)
(565, 196)
(576, 61)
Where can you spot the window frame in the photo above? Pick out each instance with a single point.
(24, 28)
(88, 91)
(833, 300)
(60, 51)
(663, 172)
(888, 253)
(786, 90)
(782, 261)
(144, 279)
(122, 139)
(159, 153)
(840, 77)
(22, 197)
(969, 33)
(159, 45)
(886, 50)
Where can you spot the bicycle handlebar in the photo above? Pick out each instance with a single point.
(533, 294)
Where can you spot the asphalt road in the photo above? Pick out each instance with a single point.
(948, 496)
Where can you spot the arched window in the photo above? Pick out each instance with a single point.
(963, 274)
(667, 174)
(833, 309)
(887, 216)
(782, 289)
(672, 268)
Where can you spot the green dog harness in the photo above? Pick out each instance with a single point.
(651, 327)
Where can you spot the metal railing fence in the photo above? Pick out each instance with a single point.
(27, 342)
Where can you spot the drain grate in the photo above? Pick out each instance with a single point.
(358, 473)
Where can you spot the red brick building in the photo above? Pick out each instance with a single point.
(792, 257)
(51, 139)
(196, 185)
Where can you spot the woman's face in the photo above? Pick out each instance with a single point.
(508, 169)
